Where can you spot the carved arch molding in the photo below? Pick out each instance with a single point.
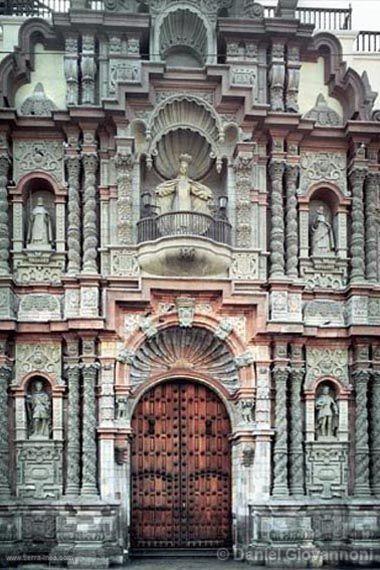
(194, 349)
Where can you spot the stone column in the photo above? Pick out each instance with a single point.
(124, 164)
(371, 252)
(375, 433)
(73, 226)
(73, 434)
(71, 69)
(361, 379)
(293, 78)
(88, 69)
(5, 375)
(280, 453)
(296, 455)
(277, 232)
(277, 77)
(4, 223)
(89, 450)
(291, 176)
(90, 233)
(357, 177)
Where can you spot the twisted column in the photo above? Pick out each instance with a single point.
(280, 452)
(291, 176)
(297, 482)
(4, 223)
(357, 178)
(124, 166)
(90, 234)
(372, 186)
(361, 378)
(89, 455)
(73, 226)
(73, 433)
(5, 375)
(375, 433)
(277, 232)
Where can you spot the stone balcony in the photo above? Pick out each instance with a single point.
(184, 244)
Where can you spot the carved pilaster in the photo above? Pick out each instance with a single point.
(4, 223)
(375, 433)
(90, 234)
(73, 227)
(296, 454)
(357, 178)
(293, 79)
(73, 433)
(243, 179)
(361, 378)
(280, 452)
(71, 70)
(5, 375)
(124, 167)
(88, 69)
(371, 253)
(277, 77)
(277, 232)
(89, 455)
(291, 177)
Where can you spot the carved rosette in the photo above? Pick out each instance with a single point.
(296, 436)
(371, 253)
(124, 166)
(243, 181)
(375, 432)
(357, 227)
(89, 464)
(291, 177)
(361, 379)
(73, 434)
(5, 375)
(280, 452)
(90, 234)
(73, 227)
(277, 232)
(4, 223)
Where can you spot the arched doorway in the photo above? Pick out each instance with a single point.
(181, 468)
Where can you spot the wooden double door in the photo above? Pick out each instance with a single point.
(181, 467)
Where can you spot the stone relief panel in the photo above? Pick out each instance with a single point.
(363, 310)
(324, 313)
(39, 307)
(39, 470)
(327, 470)
(30, 155)
(245, 265)
(38, 267)
(326, 362)
(124, 263)
(323, 167)
(285, 306)
(40, 357)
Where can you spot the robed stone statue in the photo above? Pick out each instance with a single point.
(40, 235)
(38, 408)
(327, 413)
(322, 235)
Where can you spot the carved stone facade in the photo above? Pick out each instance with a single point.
(174, 212)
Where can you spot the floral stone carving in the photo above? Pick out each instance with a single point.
(37, 104)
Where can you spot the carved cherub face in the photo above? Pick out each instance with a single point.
(184, 161)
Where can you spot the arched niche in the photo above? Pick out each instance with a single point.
(39, 196)
(38, 405)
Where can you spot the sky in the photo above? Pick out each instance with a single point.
(366, 13)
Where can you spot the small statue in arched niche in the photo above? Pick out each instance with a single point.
(183, 194)
(38, 407)
(327, 413)
(322, 234)
(40, 233)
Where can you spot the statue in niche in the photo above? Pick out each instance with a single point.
(38, 412)
(40, 234)
(121, 408)
(322, 235)
(327, 414)
(183, 194)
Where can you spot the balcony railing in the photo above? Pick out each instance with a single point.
(368, 42)
(321, 18)
(184, 224)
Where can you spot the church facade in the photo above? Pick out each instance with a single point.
(189, 288)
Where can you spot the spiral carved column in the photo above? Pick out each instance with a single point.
(280, 452)
(73, 227)
(371, 254)
(291, 176)
(90, 233)
(296, 456)
(89, 463)
(277, 233)
(4, 223)
(73, 433)
(361, 379)
(357, 178)
(5, 375)
(375, 433)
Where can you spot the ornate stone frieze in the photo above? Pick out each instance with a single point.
(192, 348)
(90, 234)
(39, 469)
(4, 223)
(324, 273)
(322, 114)
(323, 166)
(163, 94)
(323, 362)
(39, 307)
(277, 231)
(124, 263)
(37, 104)
(245, 265)
(38, 266)
(326, 469)
(285, 306)
(324, 313)
(39, 357)
(243, 168)
(73, 218)
(124, 164)
(31, 155)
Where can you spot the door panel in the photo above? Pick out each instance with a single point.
(180, 468)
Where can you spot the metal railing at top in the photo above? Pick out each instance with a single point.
(321, 18)
(368, 42)
(184, 224)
